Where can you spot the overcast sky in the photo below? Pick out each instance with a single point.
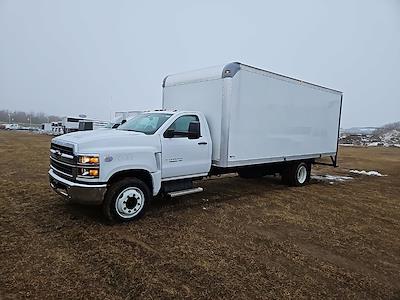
(97, 57)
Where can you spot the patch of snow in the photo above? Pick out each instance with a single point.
(331, 178)
(396, 145)
(368, 173)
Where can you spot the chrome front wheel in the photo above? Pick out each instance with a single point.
(126, 200)
(129, 202)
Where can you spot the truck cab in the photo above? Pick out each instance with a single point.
(124, 168)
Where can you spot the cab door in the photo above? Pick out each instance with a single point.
(182, 155)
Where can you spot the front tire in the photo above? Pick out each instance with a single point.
(126, 200)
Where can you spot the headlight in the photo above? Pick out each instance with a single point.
(88, 166)
(88, 173)
(89, 159)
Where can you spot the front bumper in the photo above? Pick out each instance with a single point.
(77, 192)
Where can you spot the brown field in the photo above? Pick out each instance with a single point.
(241, 239)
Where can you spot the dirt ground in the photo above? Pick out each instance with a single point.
(241, 239)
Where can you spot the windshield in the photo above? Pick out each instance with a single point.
(147, 123)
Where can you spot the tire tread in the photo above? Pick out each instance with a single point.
(115, 189)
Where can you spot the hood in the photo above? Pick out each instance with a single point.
(94, 141)
(92, 135)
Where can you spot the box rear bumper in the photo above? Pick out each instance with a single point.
(92, 194)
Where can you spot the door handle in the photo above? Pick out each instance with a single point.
(202, 143)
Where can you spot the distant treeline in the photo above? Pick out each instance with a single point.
(395, 125)
(388, 127)
(8, 116)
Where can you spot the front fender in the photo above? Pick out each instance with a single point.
(141, 159)
(155, 176)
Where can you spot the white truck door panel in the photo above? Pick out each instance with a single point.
(182, 156)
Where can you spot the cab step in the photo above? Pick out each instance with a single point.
(185, 192)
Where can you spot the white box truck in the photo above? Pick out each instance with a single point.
(93, 125)
(230, 118)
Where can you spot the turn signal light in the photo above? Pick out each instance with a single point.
(88, 173)
(94, 172)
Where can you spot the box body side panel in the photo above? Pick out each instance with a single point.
(204, 96)
(272, 119)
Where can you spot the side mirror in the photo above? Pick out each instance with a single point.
(194, 130)
(169, 133)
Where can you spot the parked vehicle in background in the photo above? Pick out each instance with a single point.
(71, 124)
(46, 127)
(29, 128)
(123, 116)
(93, 125)
(231, 118)
(12, 126)
(57, 128)
(54, 128)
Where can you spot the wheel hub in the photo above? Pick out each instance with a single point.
(131, 202)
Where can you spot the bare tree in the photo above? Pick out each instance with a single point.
(8, 116)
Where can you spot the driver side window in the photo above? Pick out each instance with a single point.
(181, 125)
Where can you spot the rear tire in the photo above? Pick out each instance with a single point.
(126, 200)
(297, 174)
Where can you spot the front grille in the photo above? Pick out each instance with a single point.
(63, 161)
(62, 149)
(62, 167)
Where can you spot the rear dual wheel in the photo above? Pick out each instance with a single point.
(297, 174)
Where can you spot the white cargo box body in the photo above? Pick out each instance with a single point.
(256, 116)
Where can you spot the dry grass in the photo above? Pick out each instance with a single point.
(238, 239)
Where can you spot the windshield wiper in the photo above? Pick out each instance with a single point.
(134, 131)
(127, 129)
